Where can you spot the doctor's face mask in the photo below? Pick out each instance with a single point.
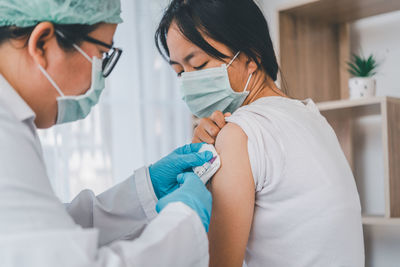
(73, 108)
(209, 90)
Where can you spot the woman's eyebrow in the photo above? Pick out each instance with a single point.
(186, 59)
(190, 56)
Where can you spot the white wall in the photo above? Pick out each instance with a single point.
(379, 35)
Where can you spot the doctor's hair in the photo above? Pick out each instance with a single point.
(238, 24)
(74, 33)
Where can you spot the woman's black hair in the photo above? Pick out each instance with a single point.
(75, 33)
(238, 24)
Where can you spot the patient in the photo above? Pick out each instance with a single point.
(285, 194)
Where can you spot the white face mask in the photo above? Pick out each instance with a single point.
(73, 108)
(209, 90)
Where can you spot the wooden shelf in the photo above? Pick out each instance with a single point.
(340, 11)
(351, 103)
(376, 220)
(343, 113)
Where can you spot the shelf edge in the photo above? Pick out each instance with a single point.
(375, 220)
(350, 103)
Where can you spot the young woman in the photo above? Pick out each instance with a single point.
(285, 194)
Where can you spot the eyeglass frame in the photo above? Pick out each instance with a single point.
(108, 56)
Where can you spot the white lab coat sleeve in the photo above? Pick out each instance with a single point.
(122, 212)
(175, 238)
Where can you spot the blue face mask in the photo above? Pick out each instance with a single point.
(209, 90)
(73, 108)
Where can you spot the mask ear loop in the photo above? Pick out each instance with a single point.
(49, 77)
(251, 75)
(51, 80)
(76, 47)
(83, 53)
(248, 82)
(233, 59)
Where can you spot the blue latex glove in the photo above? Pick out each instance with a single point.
(194, 194)
(163, 174)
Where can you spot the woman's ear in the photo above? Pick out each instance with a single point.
(39, 42)
(252, 66)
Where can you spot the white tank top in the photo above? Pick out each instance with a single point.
(307, 209)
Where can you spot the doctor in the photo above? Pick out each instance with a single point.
(54, 56)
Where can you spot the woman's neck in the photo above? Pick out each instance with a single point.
(262, 86)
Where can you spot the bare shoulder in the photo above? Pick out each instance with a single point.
(231, 145)
(231, 137)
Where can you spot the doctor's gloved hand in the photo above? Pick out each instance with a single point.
(207, 129)
(164, 173)
(194, 194)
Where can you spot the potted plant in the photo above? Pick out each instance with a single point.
(363, 84)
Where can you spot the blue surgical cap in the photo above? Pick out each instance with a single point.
(26, 13)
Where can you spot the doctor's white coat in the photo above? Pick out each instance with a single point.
(115, 229)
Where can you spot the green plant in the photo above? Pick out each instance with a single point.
(362, 67)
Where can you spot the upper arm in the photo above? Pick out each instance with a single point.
(233, 193)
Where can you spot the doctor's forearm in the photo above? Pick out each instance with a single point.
(119, 213)
(175, 238)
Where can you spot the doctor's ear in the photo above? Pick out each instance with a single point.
(39, 42)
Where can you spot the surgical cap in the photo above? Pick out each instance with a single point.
(26, 13)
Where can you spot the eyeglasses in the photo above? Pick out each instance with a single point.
(110, 58)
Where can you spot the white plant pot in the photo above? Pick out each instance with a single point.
(362, 87)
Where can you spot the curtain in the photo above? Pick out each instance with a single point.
(139, 119)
